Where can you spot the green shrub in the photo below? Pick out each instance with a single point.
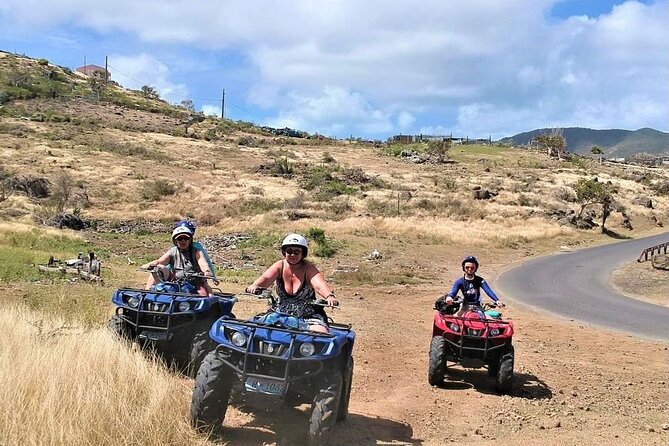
(333, 189)
(282, 167)
(316, 177)
(325, 247)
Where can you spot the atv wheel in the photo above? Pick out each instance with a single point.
(493, 367)
(324, 411)
(505, 372)
(211, 394)
(200, 347)
(437, 367)
(346, 393)
(121, 328)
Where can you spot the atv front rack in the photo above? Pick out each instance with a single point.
(286, 360)
(158, 316)
(480, 340)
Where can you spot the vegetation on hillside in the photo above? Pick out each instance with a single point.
(614, 142)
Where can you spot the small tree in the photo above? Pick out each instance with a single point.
(97, 86)
(596, 150)
(554, 142)
(594, 192)
(150, 92)
(188, 105)
(62, 191)
(438, 150)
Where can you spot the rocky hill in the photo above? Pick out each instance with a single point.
(614, 142)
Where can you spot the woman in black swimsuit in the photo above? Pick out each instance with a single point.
(298, 282)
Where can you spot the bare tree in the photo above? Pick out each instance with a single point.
(188, 105)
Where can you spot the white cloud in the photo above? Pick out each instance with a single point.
(143, 69)
(405, 120)
(211, 110)
(331, 112)
(381, 66)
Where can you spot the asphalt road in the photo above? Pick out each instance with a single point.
(577, 285)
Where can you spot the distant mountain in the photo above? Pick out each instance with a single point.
(615, 142)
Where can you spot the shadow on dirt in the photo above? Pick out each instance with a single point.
(525, 385)
(615, 235)
(287, 427)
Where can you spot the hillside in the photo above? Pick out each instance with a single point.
(128, 166)
(616, 143)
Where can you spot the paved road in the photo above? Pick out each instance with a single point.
(577, 285)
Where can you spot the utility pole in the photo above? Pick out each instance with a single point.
(223, 105)
(106, 71)
(85, 71)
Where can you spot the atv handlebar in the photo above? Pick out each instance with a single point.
(186, 275)
(484, 307)
(266, 293)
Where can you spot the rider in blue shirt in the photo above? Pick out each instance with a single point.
(470, 286)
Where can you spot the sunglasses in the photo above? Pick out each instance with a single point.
(293, 252)
(183, 238)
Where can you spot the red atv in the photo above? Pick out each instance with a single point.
(478, 338)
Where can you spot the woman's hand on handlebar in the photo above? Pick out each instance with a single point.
(253, 289)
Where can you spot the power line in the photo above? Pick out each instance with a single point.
(172, 95)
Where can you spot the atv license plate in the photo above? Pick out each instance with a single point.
(263, 385)
(155, 335)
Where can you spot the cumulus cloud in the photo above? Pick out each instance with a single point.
(333, 111)
(384, 66)
(143, 69)
(211, 110)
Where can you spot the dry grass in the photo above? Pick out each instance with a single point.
(62, 385)
(442, 230)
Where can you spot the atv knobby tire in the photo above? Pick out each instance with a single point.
(437, 367)
(211, 394)
(120, 328)
(493, 367)
(342, 414)
(200, 347)
(505, 372)
(324, 411)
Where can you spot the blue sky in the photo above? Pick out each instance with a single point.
(373, 68)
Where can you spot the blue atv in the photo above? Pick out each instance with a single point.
(171, 319)
(274, 357)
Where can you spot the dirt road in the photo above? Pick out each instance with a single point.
(574, 384)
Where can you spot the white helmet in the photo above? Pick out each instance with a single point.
(179, 230)
(295, 240)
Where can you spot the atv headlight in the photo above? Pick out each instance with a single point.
(307, 349)
(184, 306)
(238, 338)
(133, 301)
(494, 332)
(453, 326)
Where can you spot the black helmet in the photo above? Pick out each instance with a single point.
(470, 259)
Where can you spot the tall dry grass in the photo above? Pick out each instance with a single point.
(497, 230)
(62, 385)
